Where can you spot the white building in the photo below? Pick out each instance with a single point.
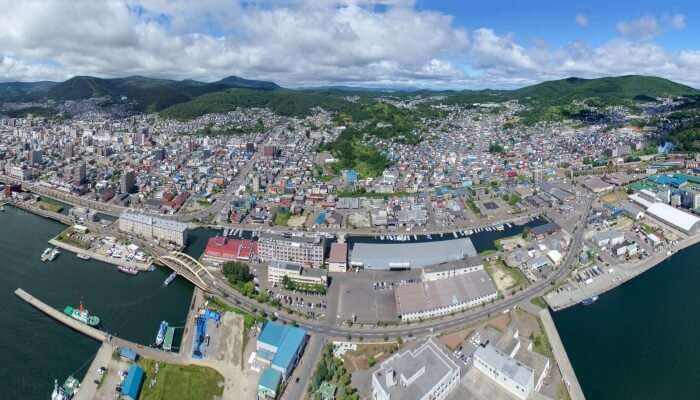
(424, 373)
(151, 228)
(513, 376)
(299, 249)
(449, 270)
(277, 270)
(681, 220)
(338, 258)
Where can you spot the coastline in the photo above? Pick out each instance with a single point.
(622, 274)
(119, 262)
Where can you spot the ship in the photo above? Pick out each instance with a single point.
(169, 279)
(67, 390)
(82, 315)
(161, 333)
(83, 256)
(45, 254)
(128, 270)
(54, 253)
(589, 301)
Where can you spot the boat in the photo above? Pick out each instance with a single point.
(83, 256)
(45, 254)
(54, 253)
(67, 390)
(82, 315)
(589, 301)
(128, 270)
(169, 279)
(161, 333)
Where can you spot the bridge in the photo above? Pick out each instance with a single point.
(190, 269)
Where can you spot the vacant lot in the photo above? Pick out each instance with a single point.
(180, 382)
(504, 277)
(367, 355)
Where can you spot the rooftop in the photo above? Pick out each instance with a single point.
(411, 255)
(505, 365)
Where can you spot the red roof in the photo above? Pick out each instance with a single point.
(231, 249)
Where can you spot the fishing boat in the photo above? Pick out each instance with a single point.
(128, 270)
(45, 254)
(81, 314)
(589, 301)
(67, 390)
(54, 253)
(161, 333)
(169, 279)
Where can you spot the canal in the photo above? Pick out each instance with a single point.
(34, 348)
(639, 341)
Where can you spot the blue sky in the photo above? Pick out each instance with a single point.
(417, 43)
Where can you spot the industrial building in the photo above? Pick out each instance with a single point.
(132, 383)
(671, 216)
(410, 255)
(300, 249)
(517, 378)
(434, 298)
(151, 228)
(452, 269)
(426, 372)
(279, 347)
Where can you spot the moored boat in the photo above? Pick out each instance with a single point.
(169, 279)
(83, 315)
(161, 333)
(67, 391)
(45, 254)
(128, 270)
(589, 301)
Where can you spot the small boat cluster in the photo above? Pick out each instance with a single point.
(50, 254)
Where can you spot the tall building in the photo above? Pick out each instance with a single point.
(151, 228)
(35, 157)
(128, 181)
(300, 249)
(79, 173)
(426, 372)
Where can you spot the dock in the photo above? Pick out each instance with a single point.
(567, 370)
(61, 317)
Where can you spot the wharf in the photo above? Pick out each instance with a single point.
(621, 274)
(88, 387)
(141, 266)
(562, 359)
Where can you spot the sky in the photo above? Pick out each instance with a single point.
(439, 44)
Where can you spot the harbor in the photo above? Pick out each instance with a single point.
(130, 307)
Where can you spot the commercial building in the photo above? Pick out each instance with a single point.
(221, 249)
(152, 228)
(300, 249)
(338, 258)
(277, 270)
(608, 238)
(127, 182)
(426, 372)
(410, 255)
(517, 378)
(434, 298)
(280, 347)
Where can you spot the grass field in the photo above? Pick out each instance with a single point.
(178, 382)
(506, 278)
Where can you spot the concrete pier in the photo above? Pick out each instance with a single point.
(567, 370)
(61, 317)
(88, 387)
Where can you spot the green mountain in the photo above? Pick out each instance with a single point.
(18, 91)
(237, 82)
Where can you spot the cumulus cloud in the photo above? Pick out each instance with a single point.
(310, 42)
(581, 20)
(644, 28)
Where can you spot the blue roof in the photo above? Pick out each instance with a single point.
(132, 383)
(287, 339)
(270, 379)
(127, 353)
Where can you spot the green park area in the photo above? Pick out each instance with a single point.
(50, 205)
(180, 382)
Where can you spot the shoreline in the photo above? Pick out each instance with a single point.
(626, 272)
(141, 266)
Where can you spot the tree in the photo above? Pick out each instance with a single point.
(237, 272)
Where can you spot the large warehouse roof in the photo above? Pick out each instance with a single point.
(410, 255)
(674, 217)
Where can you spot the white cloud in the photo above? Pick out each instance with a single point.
(581, 20)
(643, 28)
(310, 42)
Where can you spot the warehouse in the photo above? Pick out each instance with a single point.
(431, 299)
(280, 347)
(410, 255)
(671, 216)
